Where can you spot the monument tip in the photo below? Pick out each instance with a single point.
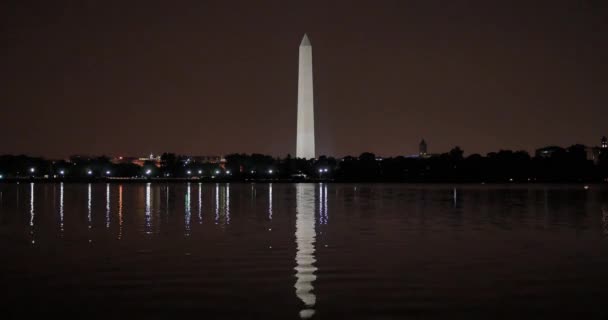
(305, 41)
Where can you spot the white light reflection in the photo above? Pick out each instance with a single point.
(325, 200)
(217, 203)
(305, 254)
(31, 204)
(222, 204)
(89, 214)
(200, 203)
(270, 201)
(148, 215)
(188, 212)
(227, 206)
(61, 208)
(32, 213)
(107, 205)
(120, 220)
(323, 217)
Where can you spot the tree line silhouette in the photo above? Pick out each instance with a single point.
(563, 165)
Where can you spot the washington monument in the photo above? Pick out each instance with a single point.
(305, 144)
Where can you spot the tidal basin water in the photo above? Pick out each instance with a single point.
(290, 251)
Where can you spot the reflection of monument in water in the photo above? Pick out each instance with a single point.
(305, 254)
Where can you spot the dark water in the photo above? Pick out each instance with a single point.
(287, 251)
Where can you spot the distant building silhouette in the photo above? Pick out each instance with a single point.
(140, 161)
(547, 152)
(422, 148)
(122, 159)
(594, 153)
(156, 159)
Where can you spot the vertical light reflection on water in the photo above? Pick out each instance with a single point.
(305, 254)
(455, 196)
(188, 212)
(320, 203)
(270, 201)
(323, 212)
(148, 215)
(325, 198)
(167, 203)
(31, 204)
(227, 203)
(323, 217)
(120, 220)
(107, 205)
(252, 193)
(89, 213)
(200, 203)
(61, 208)
(32, 213)
(217, 203)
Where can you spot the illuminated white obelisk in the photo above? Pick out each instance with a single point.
(305, 144)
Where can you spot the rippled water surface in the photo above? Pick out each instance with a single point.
(290, 251)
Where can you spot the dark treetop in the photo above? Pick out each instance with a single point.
(551, 164)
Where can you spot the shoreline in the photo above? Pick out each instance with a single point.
(250, 181)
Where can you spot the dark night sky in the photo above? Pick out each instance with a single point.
(215, 77)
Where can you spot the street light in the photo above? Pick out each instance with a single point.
(321, 171)
(32, 170)
(217, 172)
(1, 176)
(89, 172)
(200, 171)
(228, 172)
(148, 172)
(270, 171)
(108, 173)
(189, 172)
